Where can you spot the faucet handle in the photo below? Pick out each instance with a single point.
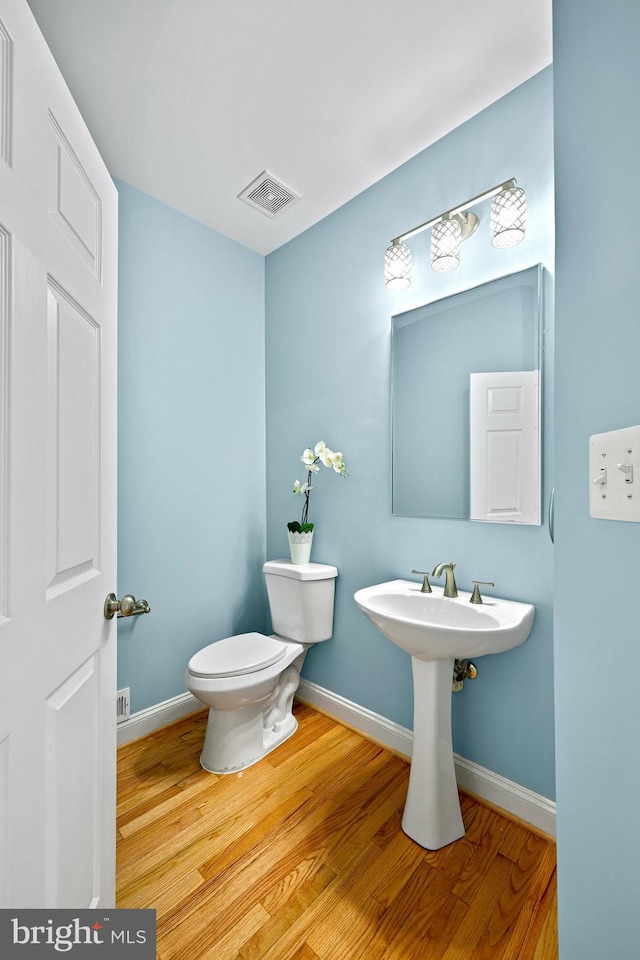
(426, 586)
(475, 596)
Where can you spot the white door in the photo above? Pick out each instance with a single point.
(504, 456)
(58, 238)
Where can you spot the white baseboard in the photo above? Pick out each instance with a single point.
(159, 715)
(509, 796)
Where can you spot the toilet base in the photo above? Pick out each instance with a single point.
(236, 739)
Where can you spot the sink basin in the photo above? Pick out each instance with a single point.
(436, 630)
(431, 626)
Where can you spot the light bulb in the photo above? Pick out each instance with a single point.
(445, 245)
(508, 217)
(397, 267)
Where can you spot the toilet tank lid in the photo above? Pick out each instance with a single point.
(300, 571)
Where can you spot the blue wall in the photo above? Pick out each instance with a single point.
(597, 79)
(328, 342)
(191, 448)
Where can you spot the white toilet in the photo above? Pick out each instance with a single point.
(248, 681)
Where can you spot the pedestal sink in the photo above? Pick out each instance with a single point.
(435, 630)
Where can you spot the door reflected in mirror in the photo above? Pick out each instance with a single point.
(466, 396)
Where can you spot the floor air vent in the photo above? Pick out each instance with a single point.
(269, 195)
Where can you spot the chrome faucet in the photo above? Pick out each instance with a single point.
(450, 589)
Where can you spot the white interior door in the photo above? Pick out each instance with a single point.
(58, 262)
(504, 457)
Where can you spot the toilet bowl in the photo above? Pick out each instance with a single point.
(248, 681)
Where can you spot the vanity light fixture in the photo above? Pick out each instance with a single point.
(449, 229)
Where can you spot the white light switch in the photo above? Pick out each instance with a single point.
(614, 464)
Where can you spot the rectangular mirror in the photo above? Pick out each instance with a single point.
(466, 404)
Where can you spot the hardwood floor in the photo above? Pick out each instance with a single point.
(301, 857)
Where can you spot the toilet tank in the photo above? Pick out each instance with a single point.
(301, 599)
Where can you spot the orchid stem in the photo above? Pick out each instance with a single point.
(305, 509)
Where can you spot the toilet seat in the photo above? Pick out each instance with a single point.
(236, 656)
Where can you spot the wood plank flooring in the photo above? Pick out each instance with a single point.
(302, 857)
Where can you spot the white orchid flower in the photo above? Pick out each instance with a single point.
(339, 465)
(326, 456)
(310, 458)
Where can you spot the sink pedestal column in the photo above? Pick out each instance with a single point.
(432, 814)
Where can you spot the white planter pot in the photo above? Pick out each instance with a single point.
(300, 546)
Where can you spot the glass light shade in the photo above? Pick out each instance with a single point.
(508, 217)
(445, 245)
(397, 267)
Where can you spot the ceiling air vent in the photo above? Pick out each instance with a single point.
(268, 195)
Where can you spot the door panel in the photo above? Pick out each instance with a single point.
(505, 447)
(6, 93)
(4, 797)
(4, 420)
(73, 442)
(74, 204)
(73, 788)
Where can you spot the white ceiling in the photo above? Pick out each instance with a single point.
(189, 100)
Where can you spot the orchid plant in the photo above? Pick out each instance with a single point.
(321, 454)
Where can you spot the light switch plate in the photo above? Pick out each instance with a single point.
(614, 475)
